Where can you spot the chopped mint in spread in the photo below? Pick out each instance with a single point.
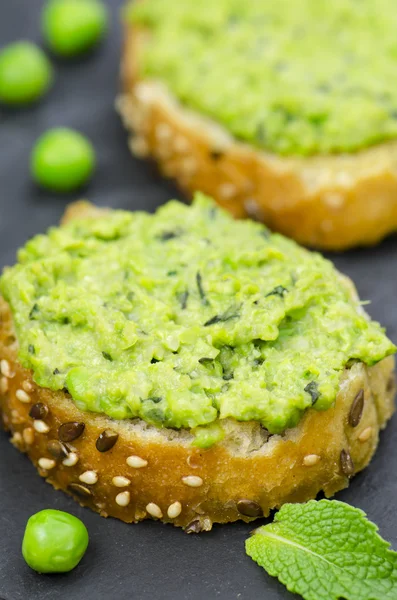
(312, 389)
(232, 333)
(326, 550)
(299, 78)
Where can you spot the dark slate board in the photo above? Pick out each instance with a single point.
(149, 561)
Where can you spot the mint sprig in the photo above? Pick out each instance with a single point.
(326, 550)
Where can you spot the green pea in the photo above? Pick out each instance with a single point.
(54, 541)
(62, 160)
(25, 73)
(71, 27)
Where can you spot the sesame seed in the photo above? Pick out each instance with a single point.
(70, 460)
(3, 385)
(27, 386)
(57, 449)
(106, 440)
(41, 427)
(16, 418)
(79, 490)
(89, 477)
(47, 463)
(16, 438)
(136, 462)
(70, 431)
(249, 508)
(28, 435)
(192, 480)
(174, 510)
(139, 147)
(346, 463)
(120, 481)
(356, 409)
(38, 411)
(227, 190)
(5, 367)
(365, 434)
(154, 510)
(123, 499)
(311, 459)
(333, 200)
(143, 93)
(163, 131)
(22, 396)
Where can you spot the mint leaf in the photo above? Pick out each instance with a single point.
(326, 550)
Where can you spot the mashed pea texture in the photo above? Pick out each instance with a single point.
(184, 318)
(296, 78)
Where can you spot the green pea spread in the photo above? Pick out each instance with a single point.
(184, 318)
(294, 77)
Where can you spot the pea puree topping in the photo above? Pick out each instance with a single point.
(184, 318)
(296, 78)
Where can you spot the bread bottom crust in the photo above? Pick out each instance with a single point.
(151, 473)
(332, 202)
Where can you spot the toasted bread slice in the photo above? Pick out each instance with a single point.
(332, 202)
(131, 470)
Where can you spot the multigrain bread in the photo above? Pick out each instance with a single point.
(131, 470)
(332, 202)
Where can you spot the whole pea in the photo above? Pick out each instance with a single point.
(25, 73)
(62, 160)
(54, 541)
(71, 27)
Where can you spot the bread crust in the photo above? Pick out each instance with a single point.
(332, 202)
(248, 472)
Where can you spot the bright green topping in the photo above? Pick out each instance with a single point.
(25, 73)
(54, 541)
(301, 77)
(71, 27)
(184, 317)
(205, 437)
(326, 550)
(62, 160)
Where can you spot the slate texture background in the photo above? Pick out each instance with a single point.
(149, 561)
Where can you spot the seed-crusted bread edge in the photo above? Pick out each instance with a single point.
(132, 471)
(332, 202)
